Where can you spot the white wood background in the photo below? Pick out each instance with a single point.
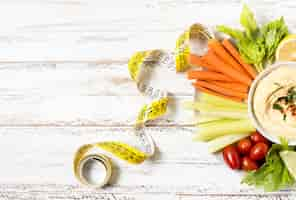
(49, 107)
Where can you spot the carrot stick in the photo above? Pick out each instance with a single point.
(203, 89)
(200, 61)
(218, 48)
(234, 86)
(225, 91)
(233, 51)
(208, 75)
(227, 70)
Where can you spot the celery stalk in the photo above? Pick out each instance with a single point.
(218, 111)
(223, 141)
(207, 118)
(230, 115)
(211, 99)
(214, 129)
(212, 107)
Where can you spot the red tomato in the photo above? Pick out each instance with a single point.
(259, 151)
(231, 157)
(248, 164)
(257, 137)
(244, 146)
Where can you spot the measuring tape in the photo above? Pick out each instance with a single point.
(141, 66)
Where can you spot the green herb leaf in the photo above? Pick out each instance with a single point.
(277, 106)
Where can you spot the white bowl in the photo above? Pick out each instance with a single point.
(252, 90)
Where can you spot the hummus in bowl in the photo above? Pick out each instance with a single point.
(272, 102)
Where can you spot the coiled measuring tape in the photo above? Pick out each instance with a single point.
(141, 66)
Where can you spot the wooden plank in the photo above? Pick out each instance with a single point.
(49, 150)
(59, 192)
(86, 94)
(52, 191)
(240, 197)
(43, 155)
(85, 111)
(85, 30)
(83, 78)
(77, 95)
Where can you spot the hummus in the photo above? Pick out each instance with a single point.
(274, 102)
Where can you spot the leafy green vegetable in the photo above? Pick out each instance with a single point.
(273, 33)
(253, 51)
(234, 33)
(273, 174)
(256, 45)
(248, 21)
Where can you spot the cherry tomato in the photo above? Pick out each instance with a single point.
(244, 146)
(231, 157)
(257, 137)
(248, 164)
(259, 151)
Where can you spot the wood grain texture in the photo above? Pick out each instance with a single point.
(64, 82)
(86, 94)
(92, 30)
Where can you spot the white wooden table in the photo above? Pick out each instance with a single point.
(50, 104)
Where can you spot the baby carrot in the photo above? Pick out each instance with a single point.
(208, 75)
(200, 61)
(225, 91)
(234, 86)
(233, 51)
(205, 90)
(214, 60)
(218, 48)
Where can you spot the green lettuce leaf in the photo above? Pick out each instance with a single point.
(273, 174)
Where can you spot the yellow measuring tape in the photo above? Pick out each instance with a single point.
(140, 66)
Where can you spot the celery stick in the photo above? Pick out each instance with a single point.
(223, 141)
(213, 130)
(212, 107)
(218, 111)
(211, 99)
(231, 115)
(207, 118)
